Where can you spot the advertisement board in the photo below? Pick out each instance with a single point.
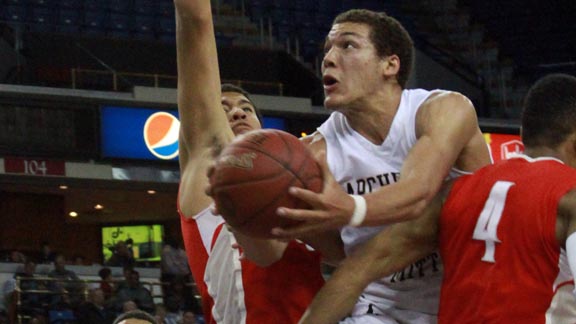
(145, 133)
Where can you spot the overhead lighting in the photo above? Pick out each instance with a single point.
(151, 192)
(63, 187)
(73, 214)
(98, 207)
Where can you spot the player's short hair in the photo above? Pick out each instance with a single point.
(387, 35)
(228, 87)
(136, 314)
(549, 113)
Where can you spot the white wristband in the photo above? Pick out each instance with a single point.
(359, 211)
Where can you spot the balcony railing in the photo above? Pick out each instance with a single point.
(123, 81)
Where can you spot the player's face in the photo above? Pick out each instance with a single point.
(240, 112)
(351, 68)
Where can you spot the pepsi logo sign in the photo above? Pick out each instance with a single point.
(161, 135)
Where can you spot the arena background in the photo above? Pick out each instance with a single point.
(79, 80)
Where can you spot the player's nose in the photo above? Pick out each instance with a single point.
(237, 113)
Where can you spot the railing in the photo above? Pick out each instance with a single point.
(81, 291)
(118, 81)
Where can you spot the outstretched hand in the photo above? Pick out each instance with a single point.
(331, 209)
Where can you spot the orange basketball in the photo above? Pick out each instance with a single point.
(252, 176)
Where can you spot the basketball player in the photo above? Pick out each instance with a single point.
(501, 231)
(233, 290)
(135, 317)
(392, 145)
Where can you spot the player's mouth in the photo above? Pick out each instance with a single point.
(241, 127)
(329, 83)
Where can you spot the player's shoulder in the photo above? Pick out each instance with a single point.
(314, 141)
(442, 106)
(444, 98)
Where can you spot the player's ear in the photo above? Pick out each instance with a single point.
(569, 148)
(573, 143)
(390, 65)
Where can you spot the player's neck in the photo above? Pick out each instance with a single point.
(373, 118)
(543, 151)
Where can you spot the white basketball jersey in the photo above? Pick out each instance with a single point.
(563, 306)
(223, 275)
(360, 167)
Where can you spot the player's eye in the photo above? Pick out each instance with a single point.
(348, 45)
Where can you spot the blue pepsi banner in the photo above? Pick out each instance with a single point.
(139, 133)
(146, 134)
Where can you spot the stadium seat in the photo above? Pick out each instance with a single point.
(42, 19)
(166, 29)
(70, 4)
(165, 8)
(118, 25)
(94, 5)
(145, 7)
(93, 22)
(41, 3)
(144, 27)
(258, 9)
(14, 13)
(68, 21)
(120, 6)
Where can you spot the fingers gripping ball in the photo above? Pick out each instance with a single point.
(252, 176)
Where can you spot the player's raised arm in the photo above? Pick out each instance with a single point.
(204, 125)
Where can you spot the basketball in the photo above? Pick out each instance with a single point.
(252, 176)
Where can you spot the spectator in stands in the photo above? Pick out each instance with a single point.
(94, 310)
(16, 256)
(46, 256)
(30, 303)
(127, 272)
(135, 291)
(62, 309)
(129, 306)
(164, 316)
(66, 282)
(121, 256)
(79, 260)
(174, 262)
(179, 296)
(40, 319)
(107, 283)
(135, 317)
(188, 317)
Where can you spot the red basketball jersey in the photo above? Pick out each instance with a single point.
(276, 294)
(498, 242)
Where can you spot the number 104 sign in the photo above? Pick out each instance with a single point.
(34, 166)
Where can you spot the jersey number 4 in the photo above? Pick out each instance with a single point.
(487, 225)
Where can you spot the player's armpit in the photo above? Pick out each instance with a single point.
(263, 252)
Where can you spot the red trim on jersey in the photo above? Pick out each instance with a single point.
(565, 283)
(215, 236)
(197, 259)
